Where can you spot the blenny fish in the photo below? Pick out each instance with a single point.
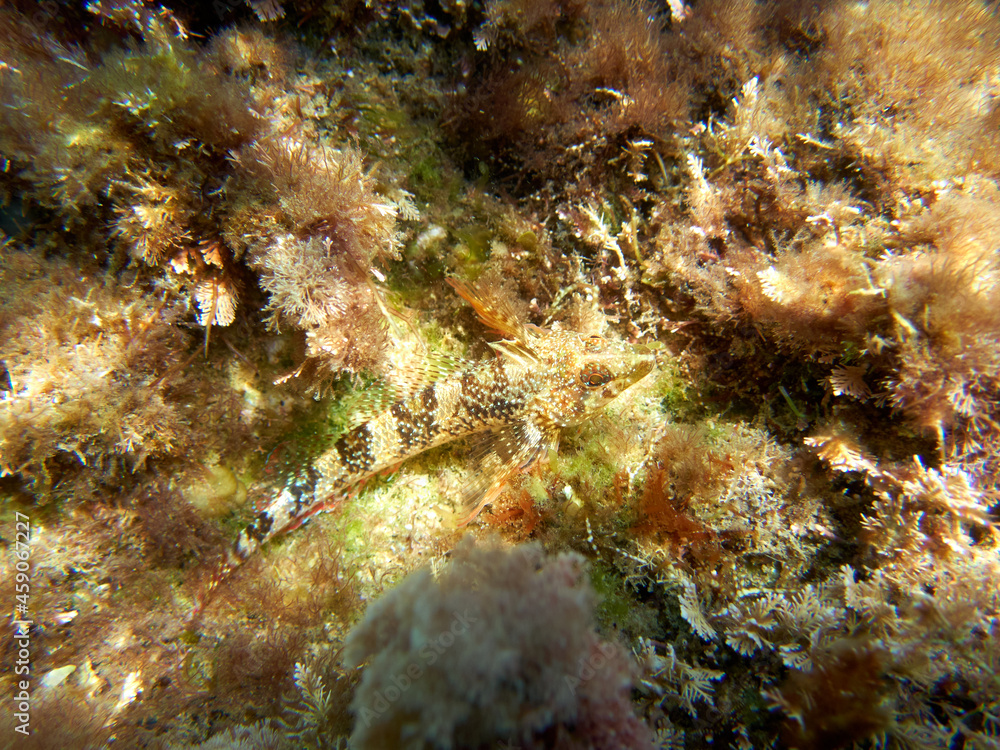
(541, 381)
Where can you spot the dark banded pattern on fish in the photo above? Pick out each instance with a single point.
(541, 381)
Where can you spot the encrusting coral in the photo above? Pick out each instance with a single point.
(219, 219)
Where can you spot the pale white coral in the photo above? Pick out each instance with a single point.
(849, 380)
(259, 736)
(669, 677)
(326, 295)
(216, 299)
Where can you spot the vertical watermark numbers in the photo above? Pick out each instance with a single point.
(22, 624)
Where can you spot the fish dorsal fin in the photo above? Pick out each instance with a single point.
(497, 457)
(368, 402)
(493, 310)
(402, 383)
(410, 379)
(516, 352)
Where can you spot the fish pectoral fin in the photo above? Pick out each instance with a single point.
(497, 458)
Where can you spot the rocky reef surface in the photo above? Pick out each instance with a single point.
(227, 231)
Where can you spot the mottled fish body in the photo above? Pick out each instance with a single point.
(542, 380)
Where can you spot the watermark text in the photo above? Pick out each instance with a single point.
(22, 624)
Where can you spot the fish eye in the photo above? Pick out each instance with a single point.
(595, 375)
(594, 343)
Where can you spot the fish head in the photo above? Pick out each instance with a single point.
(588, 372)
(608, 368)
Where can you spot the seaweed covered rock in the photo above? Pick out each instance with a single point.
(500, 646)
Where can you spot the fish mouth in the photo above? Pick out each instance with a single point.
(640, 370)
(649, 354)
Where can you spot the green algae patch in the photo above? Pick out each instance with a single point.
(617, 608)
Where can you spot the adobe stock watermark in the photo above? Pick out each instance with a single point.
(21, 624)
(590, 666)
(429, 653)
